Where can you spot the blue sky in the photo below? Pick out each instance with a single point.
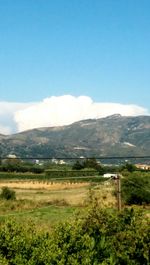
(96, 48)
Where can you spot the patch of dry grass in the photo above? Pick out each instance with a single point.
(72, 196)
(42, 185)
(71, 193)
(76, 194)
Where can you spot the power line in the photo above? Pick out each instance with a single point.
(78, 158)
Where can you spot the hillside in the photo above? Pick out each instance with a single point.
(114, 135)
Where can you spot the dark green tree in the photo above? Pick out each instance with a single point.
(77, 166)
(136, 190)
(91, 163)
(129, 167)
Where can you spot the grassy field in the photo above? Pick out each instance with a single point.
(47, 203)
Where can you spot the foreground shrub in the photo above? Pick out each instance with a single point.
(99, 237)
(8, 194)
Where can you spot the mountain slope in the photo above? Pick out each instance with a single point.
(113, 135)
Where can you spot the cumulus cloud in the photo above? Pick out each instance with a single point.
(6, 130)
(57, 111)
(7, 113)
(64, 110)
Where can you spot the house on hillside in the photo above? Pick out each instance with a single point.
(143, 166)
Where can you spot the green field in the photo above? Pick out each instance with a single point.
(67, 222)
(49, 202)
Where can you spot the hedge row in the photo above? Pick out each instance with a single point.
(24, 176)
(70, 173)
(53, 177)
(21, 168)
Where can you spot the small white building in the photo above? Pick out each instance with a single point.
(12, 156)
(59, 162)
(110, 175)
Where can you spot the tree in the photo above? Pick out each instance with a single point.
(77, 166)
(136, 189)
(129, 167)
(91, 163)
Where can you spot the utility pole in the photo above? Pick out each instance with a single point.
(118, 192)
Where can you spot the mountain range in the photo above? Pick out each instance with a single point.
(114, 135)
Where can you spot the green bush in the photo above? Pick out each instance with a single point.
(8, 194)
(129, 167)
(98, 237)
(136, 189)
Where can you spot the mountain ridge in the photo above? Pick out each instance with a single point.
(112, 135)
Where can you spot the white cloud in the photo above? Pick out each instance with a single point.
(5, 130)
(57, 111)
(64, 110)
(7, 114)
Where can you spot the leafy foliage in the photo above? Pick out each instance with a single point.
(10, 166)
(87, 163)
(98, 237)
(136, 189)
(77, 165)
(8, 194)
(70, 173)
(129, 167)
